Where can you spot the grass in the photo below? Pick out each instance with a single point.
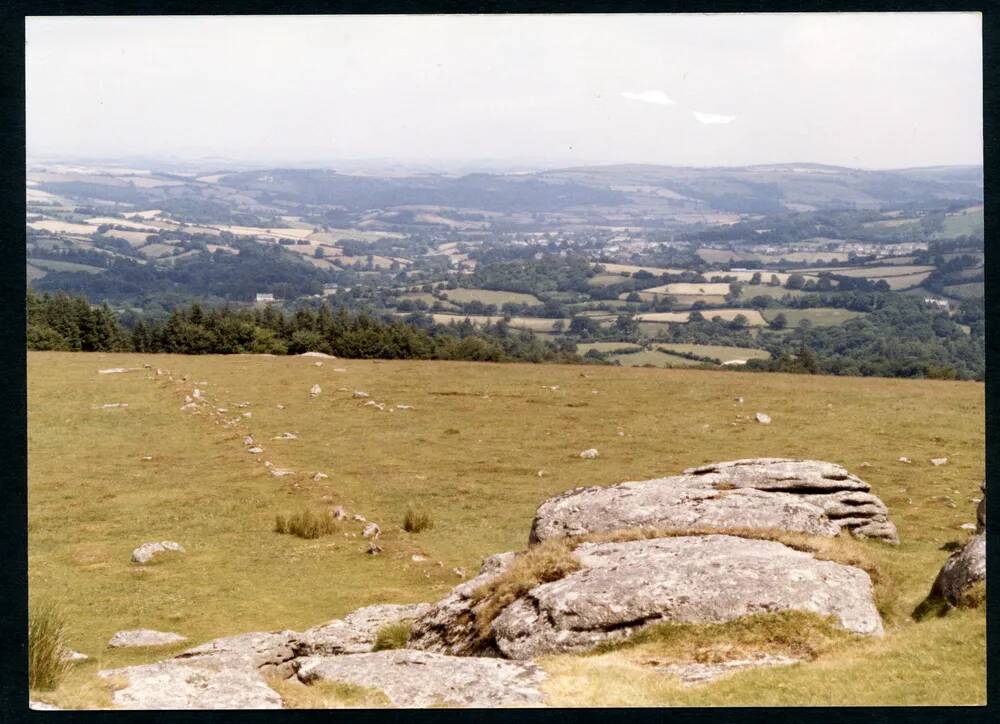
(67, 266)
(585, 347)
(548, 561)
(818, 316)
(392, 636)
(306, 524)
(327, 695)
(416, 521)
(92, 498)
(487, 296)
(46, 646)
(719, 352)
(974, 290)
(652, 357)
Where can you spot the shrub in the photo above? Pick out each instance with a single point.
(416, 521)
(392, 636)
(306, 524)
(46, 646)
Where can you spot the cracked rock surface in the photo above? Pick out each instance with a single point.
(694, 579)
(804, 496)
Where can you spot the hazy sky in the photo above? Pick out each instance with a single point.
(869, 90)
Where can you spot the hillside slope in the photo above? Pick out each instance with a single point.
(481, 447)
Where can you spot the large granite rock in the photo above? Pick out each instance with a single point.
(696, 579)
(961, 571)
(805, 496)
(356, 632)
(449, 626)
(420, 678)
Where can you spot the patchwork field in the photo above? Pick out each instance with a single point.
(753, 316)
(486, 296)
(102, 481)
(819, 316)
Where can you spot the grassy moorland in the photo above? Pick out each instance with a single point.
(482, 445)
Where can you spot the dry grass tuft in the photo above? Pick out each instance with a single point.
(46, 644)
(306, 524)
(548, 561)
(793, 633)
(327, 695)
(415, 521)
(392, 636)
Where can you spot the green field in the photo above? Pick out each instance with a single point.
(603, 280)
(905, 281)
(34, 273)
(487, 296)
(652, 357)
(975, 290)
(719, 352)
(819, 316)
(68, 266)
(469, 452)
(764, 290)
(966, 223)
(604, 346)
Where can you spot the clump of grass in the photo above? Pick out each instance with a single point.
(46, 646)
(327, 695)
(548, 561)
(306, 524)
(793, 633)
(415, 521)
(936, 605)
(392, 636)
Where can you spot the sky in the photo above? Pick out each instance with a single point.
(887, 90)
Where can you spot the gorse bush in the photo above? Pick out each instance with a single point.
(306, 524)
(416, 521)
(46, 646)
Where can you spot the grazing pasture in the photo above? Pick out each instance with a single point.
(486, 296)
(103, 481)
(818, 316)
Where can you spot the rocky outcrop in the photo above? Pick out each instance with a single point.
(963, 569)
(693, 672)
(420, 678)
(356, 632)
(805, 496)
(143, 637)
(197, 685)
(449, 626)
(696, 579)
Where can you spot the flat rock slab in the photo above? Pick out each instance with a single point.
(356, 632)
(963, 569)
(144, 637)
(783, 474)
(692, 673)
(420, 678)
(194, 684)
(694, 579)
(802, 496)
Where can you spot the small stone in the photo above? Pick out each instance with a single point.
(247, 414)
(147, 457)
(146, 552)
(339, 513)
(255, 450)
(74, 656)
(317, 364)
(460, 572)
(196, 394)
(541, 473)
(589, 454)
(188, 399)
(404, 407)
(865, 465)
(360, 394)
(374, 548)
(315, 390)
(286, 436)
(360, 518)
(968, 526)
(320, 476)
(939, 461)
(763, 418)
(248, 440)
(417, 558)
(281, 473)
(904, 459)
(739, 400)
(371, 531)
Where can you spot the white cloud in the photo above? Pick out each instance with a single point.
(712, 117)
(651, 96)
